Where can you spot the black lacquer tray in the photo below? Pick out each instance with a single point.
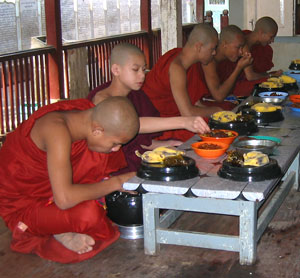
(242, 128)
(294, 66)
(264, 117)
(291, 86)
(159, 172)
(251, 173)
(257, 90)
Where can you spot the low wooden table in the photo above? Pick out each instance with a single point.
(211, 194)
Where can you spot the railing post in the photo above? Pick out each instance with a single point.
(224, 19)
(200, 11)
(146, 26)
(54, 38)
(208, 18)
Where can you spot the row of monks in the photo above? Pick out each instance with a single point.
(58, 165)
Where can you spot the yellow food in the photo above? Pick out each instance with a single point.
(270, 85)
(265, 107)
(255, 159)
(224, 116)
(297, 61)
(287, 79)
(158, 155)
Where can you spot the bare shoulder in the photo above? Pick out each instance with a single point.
(50, 129)
(176, 67)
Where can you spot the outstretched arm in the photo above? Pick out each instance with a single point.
(155, 124)
(178, 82)
(219, 90)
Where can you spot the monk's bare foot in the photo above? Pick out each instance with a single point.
(79, 243)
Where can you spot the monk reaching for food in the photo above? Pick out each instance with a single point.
(128, 68)
(53, 168)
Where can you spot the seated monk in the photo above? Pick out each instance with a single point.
(258, 44)
(52, 171)
(171, 85)
(128, 67)
(230, 48)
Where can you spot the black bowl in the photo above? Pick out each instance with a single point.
(159, 172)
(124, 208)
(290, 86)
(294, 66)
(251, 173)
(264, 117)
(242, 128)
(257, 90)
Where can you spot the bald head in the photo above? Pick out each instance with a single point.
(202, 32)
(117, 116)
(121, 52)
(266, 24)
(229, 33)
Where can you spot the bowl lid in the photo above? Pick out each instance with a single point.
(242, 128)
(159, 172)
(250, 174)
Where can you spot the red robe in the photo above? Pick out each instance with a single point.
(262, 62)
(25, 193)
(157, 87)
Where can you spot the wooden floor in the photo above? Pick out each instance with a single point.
(278, 254)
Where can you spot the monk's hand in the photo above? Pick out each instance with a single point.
(276, 73)
(197, 125)
(246, 60)
(121, 179)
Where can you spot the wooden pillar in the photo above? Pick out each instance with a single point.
(54, 38)
(224, 19)
(147, 26)
(200, 11)
(171, 24)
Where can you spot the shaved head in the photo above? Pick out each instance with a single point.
(266, 24)
(117, 116)
(121, 52)
(202, 32)
(229, 33)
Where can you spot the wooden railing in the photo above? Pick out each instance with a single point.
(25, 75)
(24, 86)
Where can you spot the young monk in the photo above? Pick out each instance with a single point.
(258, 44)
(128, 67)
(52, 169)
(230, 48)
(171, 87)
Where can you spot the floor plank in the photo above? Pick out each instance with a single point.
(278, 253)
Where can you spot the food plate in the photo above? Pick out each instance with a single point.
(294, 73)
(257, 89)
(295, 98)
(273, 94)
(261, 145)
(264, 117)
(201, 150)
(295, 109)
(242, 128)
(250, 174)
(275, 139)
(219, 135)
(159, 172)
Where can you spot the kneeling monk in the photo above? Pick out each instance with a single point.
(52, 169)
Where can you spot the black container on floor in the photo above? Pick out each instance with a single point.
(125, 209)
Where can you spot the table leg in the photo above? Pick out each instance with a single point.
(151, 222)
(248, 227)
